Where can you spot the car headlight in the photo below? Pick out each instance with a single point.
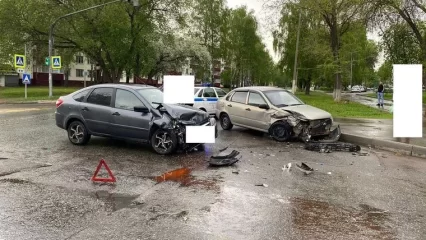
(212, 121)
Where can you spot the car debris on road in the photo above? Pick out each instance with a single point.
(305, 168)
(224, 159)
(261, 185)
(328, 147)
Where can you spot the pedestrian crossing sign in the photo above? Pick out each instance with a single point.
(26, 78)
(56, 62)
(20, 61)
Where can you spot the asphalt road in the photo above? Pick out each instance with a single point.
(46, 192)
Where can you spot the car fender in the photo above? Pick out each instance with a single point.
(79, 118)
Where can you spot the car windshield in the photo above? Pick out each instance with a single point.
(152, 95)
(281, 98)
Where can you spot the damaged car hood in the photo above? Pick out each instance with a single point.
(308, 111)
(185, 113)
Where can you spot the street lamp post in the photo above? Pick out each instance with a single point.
(52, 27)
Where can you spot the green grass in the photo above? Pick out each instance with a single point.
(389, 96)
(12, 94)
(343, 109)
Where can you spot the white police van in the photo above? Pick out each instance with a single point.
(205, 98)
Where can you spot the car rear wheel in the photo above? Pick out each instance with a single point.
(225, 122)
(77, 133)
(280, 131)
(163, 142)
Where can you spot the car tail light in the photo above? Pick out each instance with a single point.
(59, 102)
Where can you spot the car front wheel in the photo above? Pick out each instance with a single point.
(280, 131)
(163, 142)
(77, 133)
(225, 122)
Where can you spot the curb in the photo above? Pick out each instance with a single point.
(396, 147)
(30, 102)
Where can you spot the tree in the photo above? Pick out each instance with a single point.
(207, 22)
(171, 52)
(113, 36)
(246, 55)
(400, 45)
(337, 16)
(389, 14)
(319, 57)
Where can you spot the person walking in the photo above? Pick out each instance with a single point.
(380, 95)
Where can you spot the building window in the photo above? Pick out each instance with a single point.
(79, 72)
(79, 59)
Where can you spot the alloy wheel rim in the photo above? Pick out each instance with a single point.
(77, 133)
(163, 141)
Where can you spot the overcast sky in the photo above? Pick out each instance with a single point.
(267, 20)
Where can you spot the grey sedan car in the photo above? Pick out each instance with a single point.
(133, 112)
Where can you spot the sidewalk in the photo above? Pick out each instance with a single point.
(379, 132)
(28, 102)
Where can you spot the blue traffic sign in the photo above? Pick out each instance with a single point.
(56, 62)
(26, 78)
(19, 61)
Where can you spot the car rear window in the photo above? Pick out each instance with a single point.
(209, 92)
(79, 97)
(101, 96)
(239, 97)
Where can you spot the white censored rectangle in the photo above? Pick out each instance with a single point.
(200, 134)
(178, 89)
(407, 100)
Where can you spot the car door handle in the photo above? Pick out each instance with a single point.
(248, 109)
(116, 114)
(229, 105)
(85, 109)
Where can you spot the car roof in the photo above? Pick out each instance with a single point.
(258, 88)
(131, 86)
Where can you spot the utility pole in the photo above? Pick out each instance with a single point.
(351, 67)
(294, 88)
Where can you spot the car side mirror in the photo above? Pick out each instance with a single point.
(141, 109)
(264, 106)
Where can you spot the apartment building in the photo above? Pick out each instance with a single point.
(82, 68)
(217, 67)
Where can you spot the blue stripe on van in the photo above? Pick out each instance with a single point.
(209, 99)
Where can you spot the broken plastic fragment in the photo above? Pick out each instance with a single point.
(286, 167)
(262, 185)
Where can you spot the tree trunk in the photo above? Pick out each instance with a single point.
(424, 64)
(337, 91)
(137, 71)
(66, 72)
(308, 85)
(127, 77)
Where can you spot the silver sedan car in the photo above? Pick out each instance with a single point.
(275, 111)
(133, 112)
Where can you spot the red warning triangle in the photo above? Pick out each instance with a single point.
(97, 179)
